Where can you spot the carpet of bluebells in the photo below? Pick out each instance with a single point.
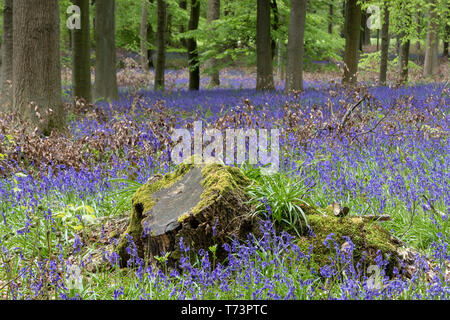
(390, 155)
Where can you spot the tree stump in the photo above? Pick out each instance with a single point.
(202, 205)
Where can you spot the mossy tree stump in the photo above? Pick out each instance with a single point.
(204, 205)
(207, 205)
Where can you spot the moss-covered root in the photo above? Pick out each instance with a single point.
(368, 238)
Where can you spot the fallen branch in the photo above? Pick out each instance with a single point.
(349, 112)
(371, 129)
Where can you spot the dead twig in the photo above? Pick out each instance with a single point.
(349, 112)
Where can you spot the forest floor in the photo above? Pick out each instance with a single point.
(65, 198)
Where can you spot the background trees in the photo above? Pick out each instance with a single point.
(243, 33)
(213, 13)
(432, 42)
(385, 39)
(7, 52)
(352, 38)
(161, 45)
(81, 54)
(105, 66)
(294, 74)
(194, 67)
(264, 76)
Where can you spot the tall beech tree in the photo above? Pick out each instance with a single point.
(143, 36)
(36, 64)
(431, 64)
(404, 60)
(275, 25)
(264, 77)
(384, 44)
(446, 39)
(295, 49)
(161, 45)
(194, 65)
(105, 62)
(352, 38)
(81, 54)
(212, 14)
(7, 52)
(447, 36)
(330, 17)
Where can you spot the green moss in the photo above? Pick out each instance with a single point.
(368, 238)
(218, 180)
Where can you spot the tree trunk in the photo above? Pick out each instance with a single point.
(7, 54)
(264, 79)
(384, 44)
(367, 33)
(352, 37)
(418, 28)
(362, 33)
(194, 66)
(150, 38)
(81, 55)
(344, 15)
(295, 50)
(281, 60)
(330, 18)
(378, 39)
(404, 53)
(213, 13)
(36, 64)
(183, 5)
(447, 36)
(143, 34)
(105, 66)
(431, 52)
(168, 28)
(161, 45)
(275, 25)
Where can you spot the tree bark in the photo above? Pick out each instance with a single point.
(431, 52)
(367, 33)
(384, 44)
(194, 66)
(445, 52)
(352, 37)
(362, 33)
(143, 36)
(330, 18)
(264, 78)
(161, 45)
(275, 25)
(105, 67)
(81, 55)
(183, 5)
(447, 36)
(213, 13)
(404, 53)
(36, 64)
(295, 49)
(344, 15)
(7, 54)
